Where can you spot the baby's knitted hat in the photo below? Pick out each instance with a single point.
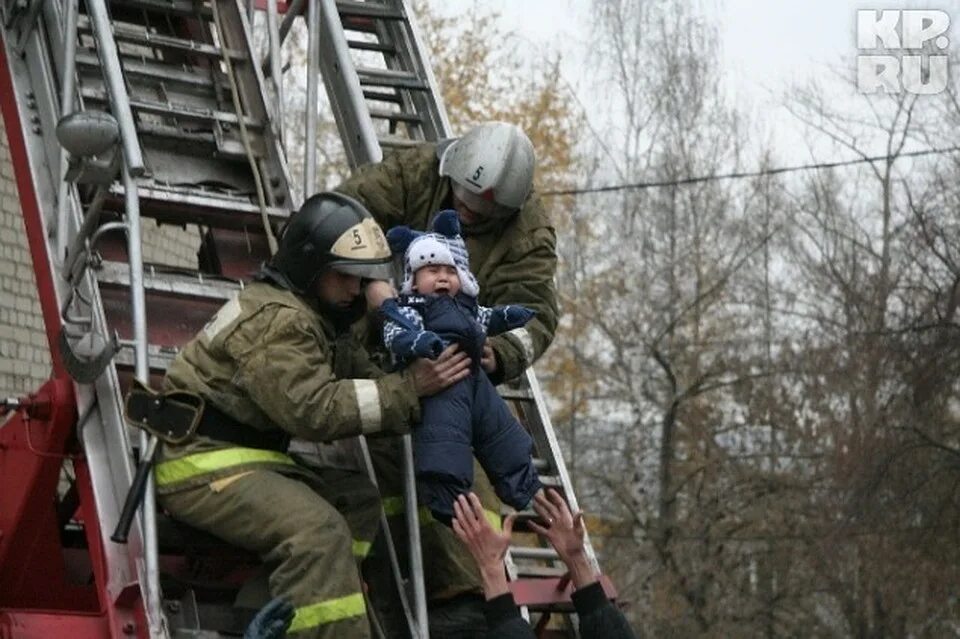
(443, 246)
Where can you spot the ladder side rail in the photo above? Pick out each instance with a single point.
(412, 516)
(349, 107)
(294, 9)
(273, 55)
(132, 167)
(313, 72)
(67, 90)
(360, 142)
(113, 75)
(546, 435)
(138, 308)
(104, 439)
(391, 546)
(256, 103)
(406, 36)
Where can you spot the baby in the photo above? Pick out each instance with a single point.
(437, 307)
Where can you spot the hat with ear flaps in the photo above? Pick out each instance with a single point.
(442, 246)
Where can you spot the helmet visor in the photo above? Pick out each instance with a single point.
(370, 271)
(484, 208)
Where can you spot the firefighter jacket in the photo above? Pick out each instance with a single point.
(514, 260)
(468, 418)
(271, 362)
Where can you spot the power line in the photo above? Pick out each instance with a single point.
(746, 174)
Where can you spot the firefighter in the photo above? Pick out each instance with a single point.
(487, 176)
(277, 361)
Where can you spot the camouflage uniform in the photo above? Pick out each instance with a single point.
(515, 262)
(270, 362)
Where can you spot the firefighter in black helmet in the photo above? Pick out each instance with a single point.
(275, 362)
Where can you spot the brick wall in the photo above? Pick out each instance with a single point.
(24, 357)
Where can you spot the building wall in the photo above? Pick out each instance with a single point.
(24, 355)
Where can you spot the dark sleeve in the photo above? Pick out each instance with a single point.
(504, 620)
(599, 618)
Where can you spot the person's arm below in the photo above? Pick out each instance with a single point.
(565, 532)
(488, 547)
(598, 616)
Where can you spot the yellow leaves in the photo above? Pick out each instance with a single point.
(481, 81)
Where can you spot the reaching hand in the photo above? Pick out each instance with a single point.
(565, 533)
(430, 376)
(272, 621)
(487, 546)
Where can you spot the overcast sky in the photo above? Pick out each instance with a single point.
(768, 45)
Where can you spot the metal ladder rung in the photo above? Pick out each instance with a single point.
(519, 394)
(190, 206)
(172, 132)
(132, 35)
(539, 572)
(396, 142)
(542, 554)
(368, 10)
(552, 481)
(175, 7)
(390, 78)
(174, 111)
(362, 45)
(201, 142)
(395, 116)
(159, 358)
(540, 464)
(162, 281)
(150, 70)
(360, 24)
(380, 96)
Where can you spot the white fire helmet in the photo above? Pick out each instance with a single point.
(491, 168)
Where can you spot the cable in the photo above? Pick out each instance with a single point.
(244, 135)
(745, 174)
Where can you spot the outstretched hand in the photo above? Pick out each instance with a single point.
(565, 532)
(487, 546)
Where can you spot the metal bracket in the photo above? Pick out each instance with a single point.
(100, 170)
(86, 358)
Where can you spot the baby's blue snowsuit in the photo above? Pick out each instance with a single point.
(469, 418)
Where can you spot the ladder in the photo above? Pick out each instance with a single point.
(198, 150)
(384, 96)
